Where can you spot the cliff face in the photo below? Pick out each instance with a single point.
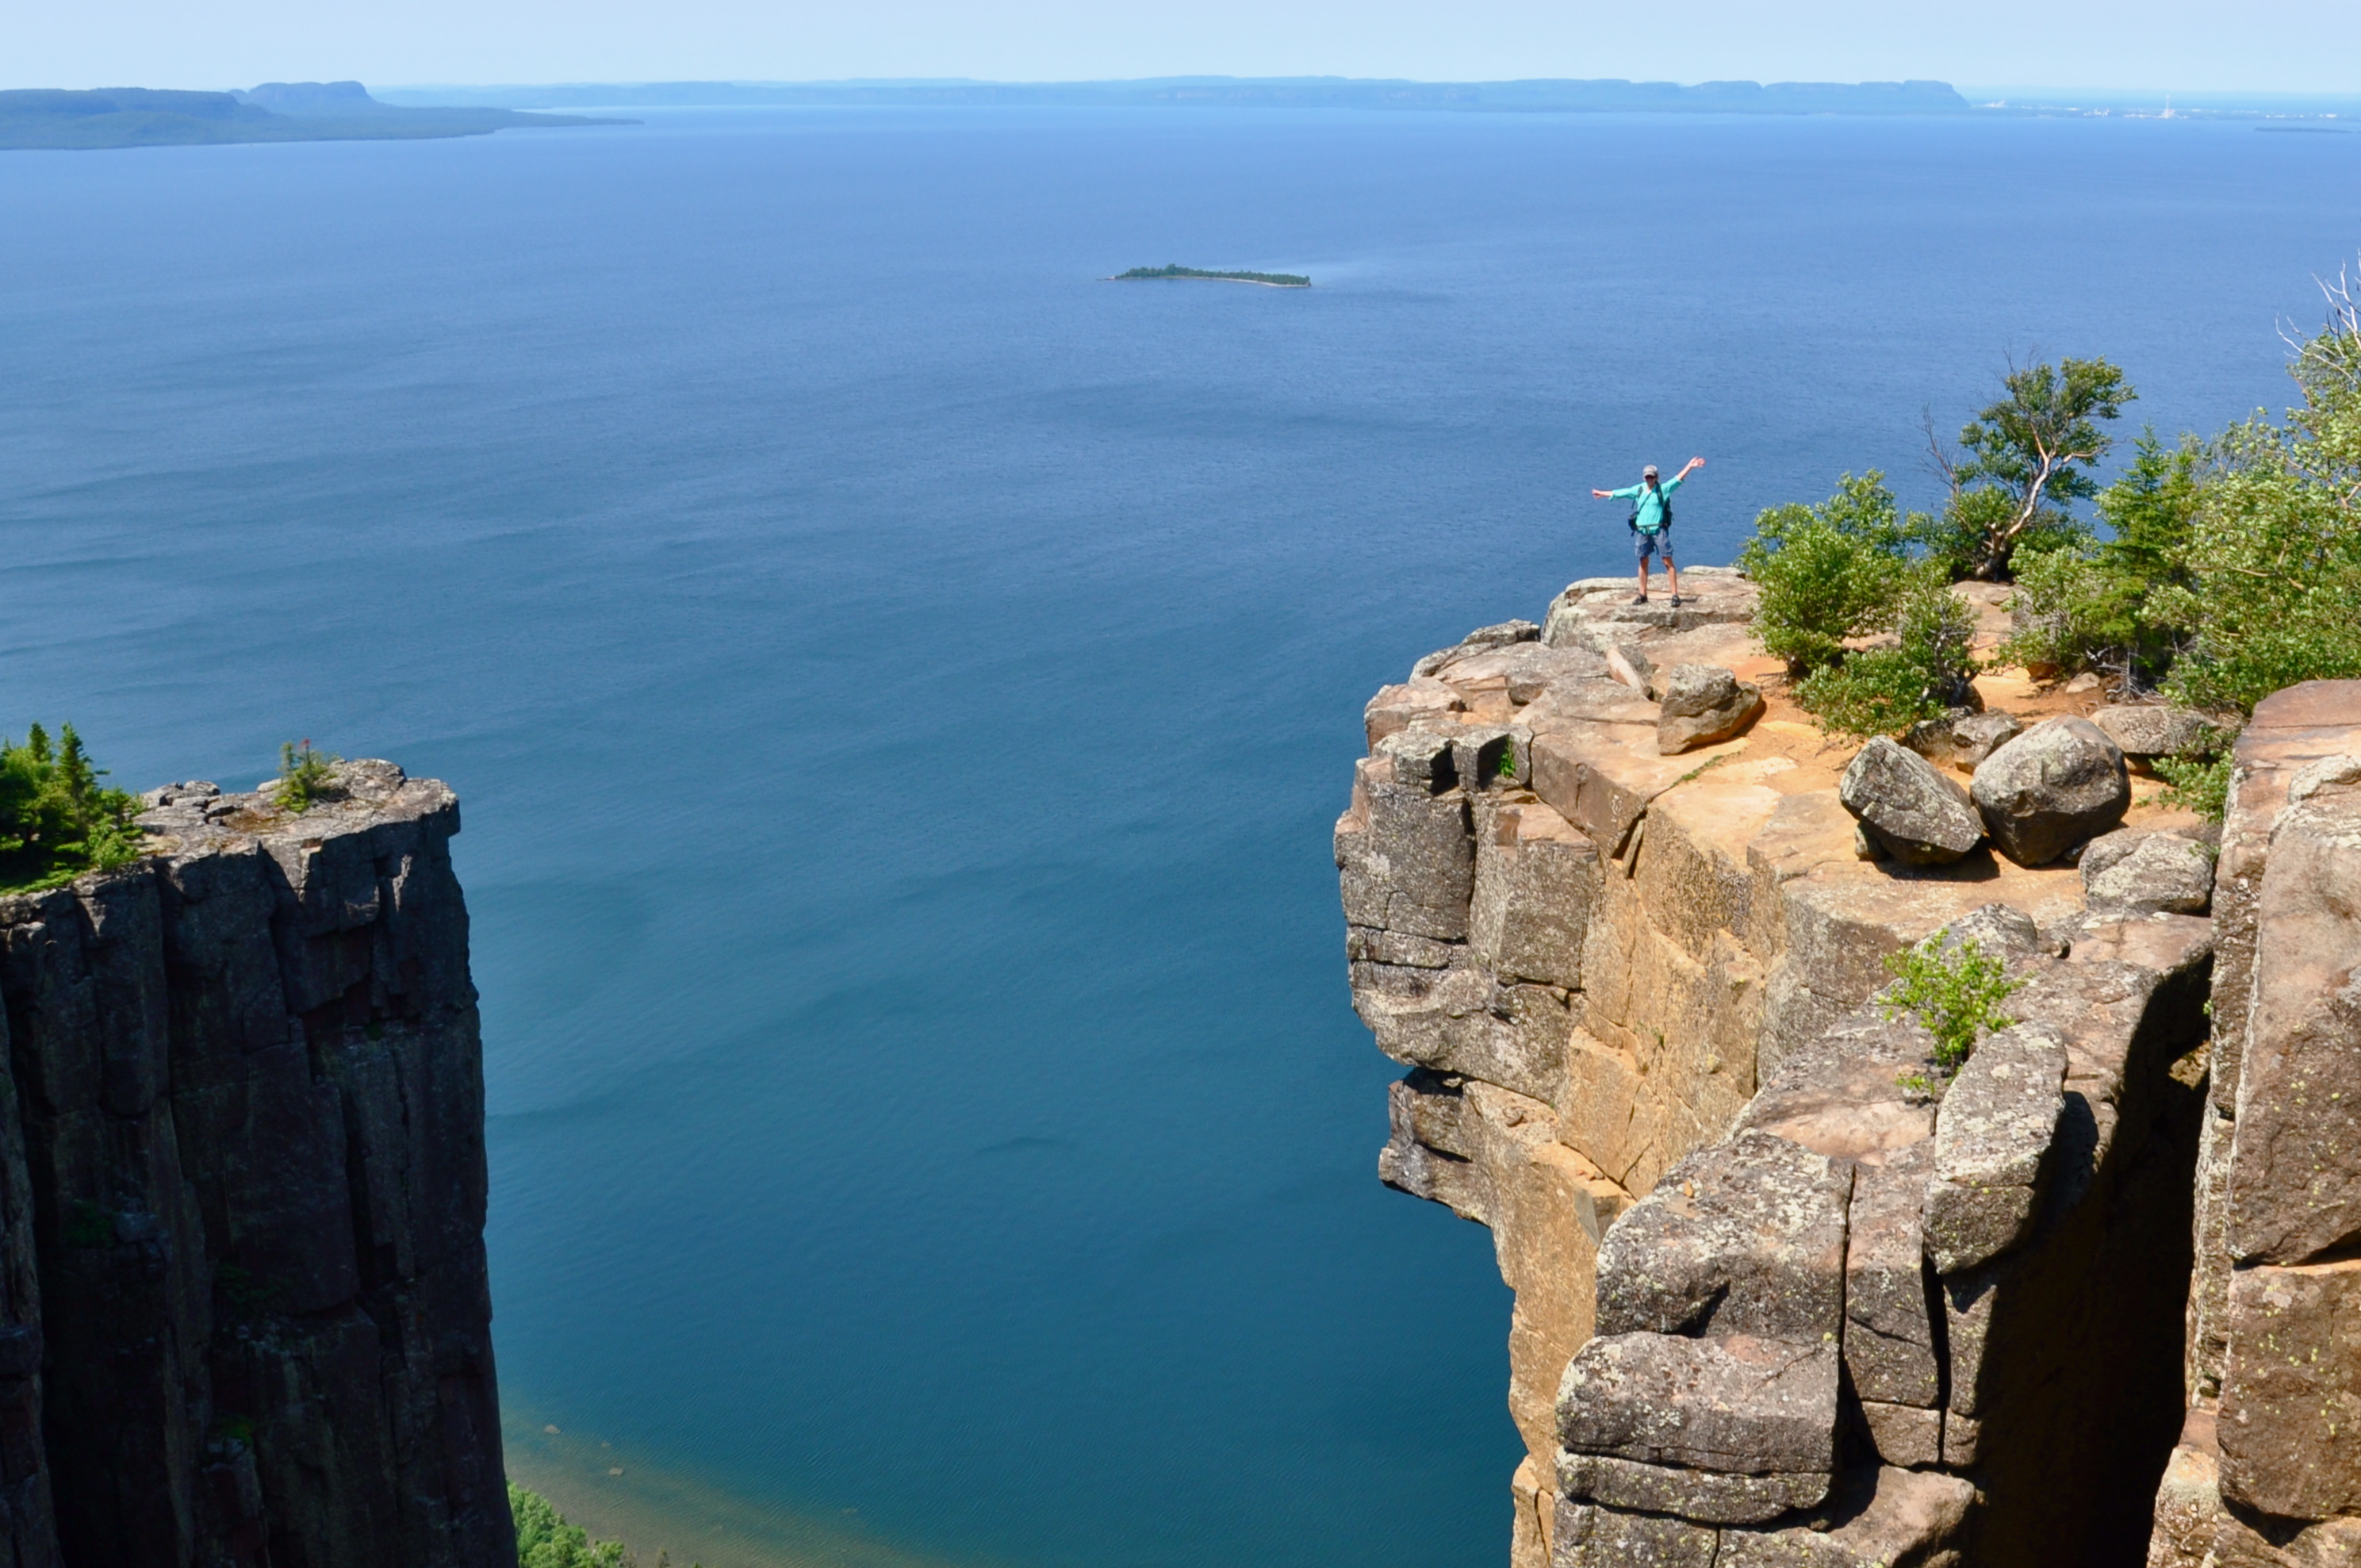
(1772, 1306)
(246, 1316)
(2267, 1474)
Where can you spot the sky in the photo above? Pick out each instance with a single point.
(2294, 46)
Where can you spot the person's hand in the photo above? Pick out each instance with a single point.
(1602, 495)
(1697, 462)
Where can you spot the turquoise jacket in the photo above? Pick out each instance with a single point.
(1650, 503)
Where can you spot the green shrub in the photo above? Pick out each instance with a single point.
(1954, 992)
(55, 820)
(1881, 690)
(2113, 605)
(2275, 553)
(1827, 572)
(546, 1541)
(302, 777)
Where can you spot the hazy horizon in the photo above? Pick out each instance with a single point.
(2177, 45)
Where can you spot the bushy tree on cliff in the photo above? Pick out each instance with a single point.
(2273, 553)
(2113, 605)
(55, 820)
(2023, 462)
(1839, 574)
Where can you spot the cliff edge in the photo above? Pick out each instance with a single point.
(1782, 1295)
(244, 1312)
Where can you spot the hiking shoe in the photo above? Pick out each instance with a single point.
(1642, 599)
(1676, 601)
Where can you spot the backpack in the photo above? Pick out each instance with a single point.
(1664, 516)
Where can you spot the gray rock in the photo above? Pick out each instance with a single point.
(1738, 1405)
(1919, 816)
(1627, 664)
(1703, 704)
(1506, 634)
(1537, 881)
(1704, 1496)
(1879, 1517)
(1405, 856)
(1426, 758)
(1962, 738)
(2059, 782)
(1995, 929)
(1865, 846)
(1745, 1236)
(2150, 730)
(2146, 873)
(1906, 1435)
(1587, 1535)
(1992, 1141)
(1889, 1337)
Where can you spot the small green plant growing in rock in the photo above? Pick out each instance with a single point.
(2198, 779)
(1955, 993)
(57, 820)
(302, 777)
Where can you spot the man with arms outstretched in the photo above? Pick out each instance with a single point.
(1652, 522)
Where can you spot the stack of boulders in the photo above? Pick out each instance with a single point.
(1854, 1332)
(2056, 789)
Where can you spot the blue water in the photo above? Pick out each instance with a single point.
(900, 688)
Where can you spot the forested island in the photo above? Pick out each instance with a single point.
(276, 111)
(1268, 280)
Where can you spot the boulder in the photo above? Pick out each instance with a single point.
(1740, 1405)
(1703, 704)
(2059, 782)
(1704, 1496)
(1962, 738)
(1914, 811)
(2124, 873)
(1628, 663)
(1745, 1236)
(2150, 730)
(1992, 1138)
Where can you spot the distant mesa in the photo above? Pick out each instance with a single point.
(1268, 280)
(276, 111)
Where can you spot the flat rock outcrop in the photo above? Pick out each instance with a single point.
(242, 1188)
(1775, 1302)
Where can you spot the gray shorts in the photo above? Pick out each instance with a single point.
(1649, 544)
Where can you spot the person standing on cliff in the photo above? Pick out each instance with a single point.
(1652, 522)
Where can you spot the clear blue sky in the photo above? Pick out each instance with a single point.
(2311, 46)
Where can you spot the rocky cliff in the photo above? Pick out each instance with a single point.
(1776, 1301)
(244, 1316)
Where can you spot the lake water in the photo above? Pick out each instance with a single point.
(901, 685)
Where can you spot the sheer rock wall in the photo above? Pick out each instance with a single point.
(244, 1314)
(1766, 1311)
(2267, 1474)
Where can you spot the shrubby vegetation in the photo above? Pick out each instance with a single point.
(57, 820)
(546, 1541)
(302, 777)
(1955, 993)
(2226, 568)
(1841, 573)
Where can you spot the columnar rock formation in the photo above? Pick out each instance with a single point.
(243, 1316)
(2269, 1470)
(1780, 1297)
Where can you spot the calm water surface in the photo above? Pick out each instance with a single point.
(901, 685)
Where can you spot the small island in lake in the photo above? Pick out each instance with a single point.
(1268, 280)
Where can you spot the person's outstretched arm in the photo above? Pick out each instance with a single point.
(1624, 494)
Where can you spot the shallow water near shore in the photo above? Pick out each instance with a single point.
(900, 685)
